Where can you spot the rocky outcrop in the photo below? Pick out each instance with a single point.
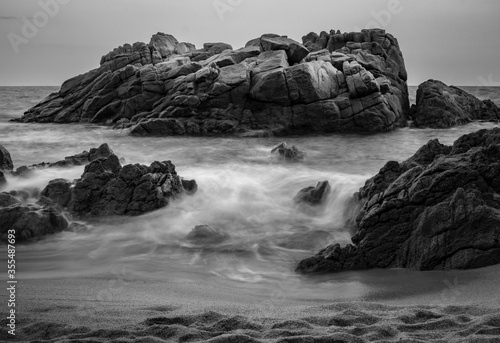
(440, 209)
(58, 191)
(336, 82)
(442, 106)
(80, 159)
(288, 152)
(5, 160)
(313, 196)
(107, 188)
(30, 221)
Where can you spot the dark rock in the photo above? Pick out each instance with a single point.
(313, 195)
(288, 152)
(442, 106)
(58, 191)
(30, 222)
(7, 199)
(204, 234)
(3, 180)
(106, 188)
(438, 210)
(190, 186)
(82, 158)
(158, 127)
(5, 160)
(355, 83)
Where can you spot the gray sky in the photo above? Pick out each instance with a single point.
(456, 41)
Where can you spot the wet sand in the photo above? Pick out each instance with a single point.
(458, 306)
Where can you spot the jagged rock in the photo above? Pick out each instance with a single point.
(288, 152)
(30, 221)
(158, 127)
(5, 160)
(107, 188)
(355, 83)
(82, 158)
(204, 234)
(58, 191)
(313, 195)
(442, 106)
(295, 51)
(437, 210)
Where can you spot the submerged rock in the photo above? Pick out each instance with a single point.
(204, 234)
(5, 160)
(30, 221)
(442, 106)
(313, 195)
(356, 82)
(288, 152)
(190, 186)
(437, 210)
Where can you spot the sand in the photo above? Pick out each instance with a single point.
(103, 309)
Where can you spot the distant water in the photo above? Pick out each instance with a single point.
(242, 189)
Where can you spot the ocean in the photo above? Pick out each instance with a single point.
(243, 189)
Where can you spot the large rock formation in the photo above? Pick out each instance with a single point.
(440, 209)
(335, 82)
(441, 106)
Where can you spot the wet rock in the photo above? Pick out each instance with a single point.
(7, 199)
(288, 152)
(442, 106)
(3, 180)
(58, 191)
(437, 210)
(5, 160)
(107, 188)
(30, 222)
(313, 195)
(82, 158)
(189, 186)
(204, 234)
(355, 83)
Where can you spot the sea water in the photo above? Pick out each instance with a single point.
(243, 189)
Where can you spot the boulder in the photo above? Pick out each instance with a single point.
(189, 186)
(207, 235)
(437, 210)
(58, 191)
(313, 196)
(5, 160)
(288, 152)
(295, 51)
(442, 106)
(107, 188)
(30, 222)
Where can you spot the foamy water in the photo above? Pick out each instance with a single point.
(243, 189)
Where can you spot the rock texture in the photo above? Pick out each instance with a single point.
(338, 82)
(442, 106)
(204, 234)
(313, 195)
(440, 209)
(107, 188)
(5, 160)
(30, 221)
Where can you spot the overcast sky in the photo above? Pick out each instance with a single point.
(456, 41)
